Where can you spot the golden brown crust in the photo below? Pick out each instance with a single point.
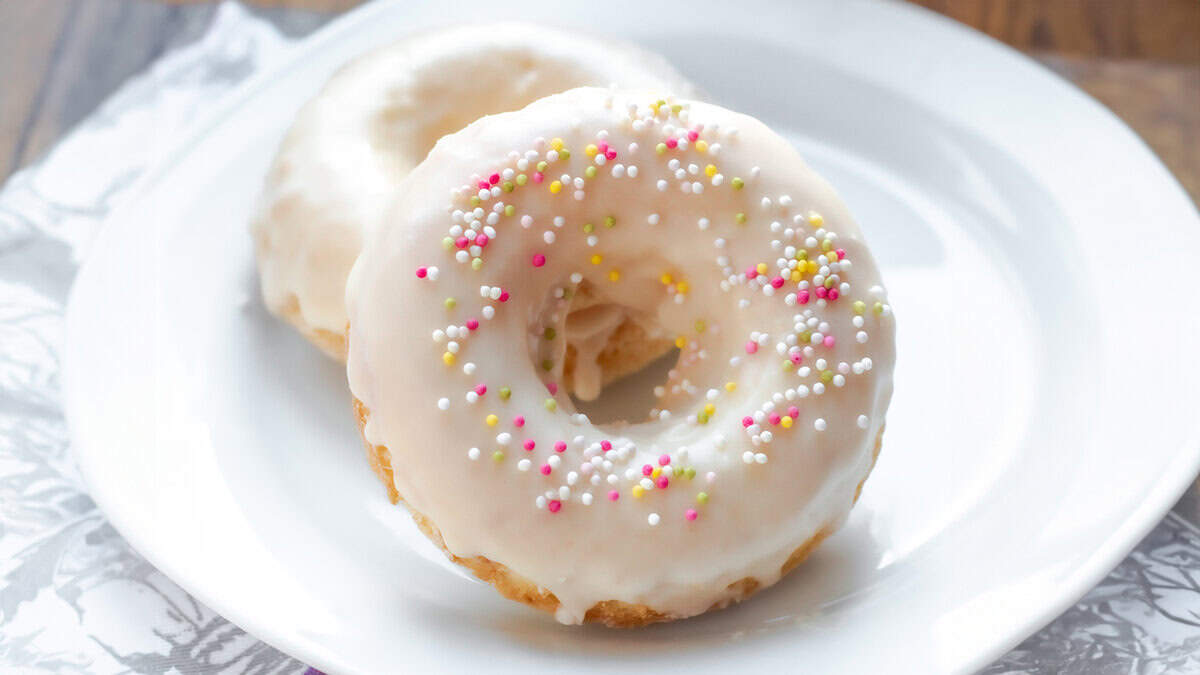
(611, 613)
(333, 344)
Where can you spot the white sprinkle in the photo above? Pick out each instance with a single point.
(444, 403)
(760, 458)
(468, 368)
(652, 219)
(472, 397)
(863, 420)
(548, 237)
(748, 457)
(473, 454)
(489, 311)
(524, 465)
(819, 424)
(661, 185)
(504, 438)
(586, 498)
(654, 519)
(632, 172)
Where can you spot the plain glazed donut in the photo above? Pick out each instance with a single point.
(376, 119)
(699, 218)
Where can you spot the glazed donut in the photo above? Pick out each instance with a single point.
(375, 120)
(699, 218)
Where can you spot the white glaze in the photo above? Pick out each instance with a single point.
(378, 116)
(757, 513)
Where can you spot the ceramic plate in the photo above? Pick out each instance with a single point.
(1040, 261)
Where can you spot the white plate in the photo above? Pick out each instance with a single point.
(1040, 260)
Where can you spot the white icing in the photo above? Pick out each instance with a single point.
(770, 488)
(376, 119)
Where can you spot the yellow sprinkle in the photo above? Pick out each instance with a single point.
(786, 422)
(700, 325)
(492, 420)
(614, 275)
(556, 144)
(681, 287)
(665, 279)
(813, 267)
(637, 491)
(656, 472)
(556, 187)
(702, 498)
(591, 150)
(448, 358)
(859, 306)
(761, 268)
(796, 276)
(660, 148)
(815, 220)
(597, 259)
(590, 172)
(681, 342)
(730, 386)
(702, 147)
(711, 169)
(710, 408)
(740, 218)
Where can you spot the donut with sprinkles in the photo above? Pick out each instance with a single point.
(705, 223)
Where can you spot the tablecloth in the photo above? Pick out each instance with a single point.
(74, 597)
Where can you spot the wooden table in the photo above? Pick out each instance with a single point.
(60, 58)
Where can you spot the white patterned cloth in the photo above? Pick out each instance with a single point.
(74, 597)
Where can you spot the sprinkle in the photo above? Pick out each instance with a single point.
(529, 445)
(498, 456)
(473, 454)
(450, 303)
(613, 495)
(863, 421)
(554, 505)
(546, 469)
(738, 183)
(505, 393)
(422, 272)
(448, 358)
(560, 446)
(491, 420)
(637, 491)
(819, 424)
(653, 519)
(519, 421)
(702, 497)
(690, 514)
(551, 404)
(539, 260)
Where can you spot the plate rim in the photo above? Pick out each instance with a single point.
(1174, 478)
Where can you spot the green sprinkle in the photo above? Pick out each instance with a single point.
(448, 243)
(549, 333)
(507, 186)
(738, 183)
(675, 108)
(564, 154)
(827, 245)
(547, 365)
(787, 365)
(690, 473)
(826, 375)
(551, 405)
(476, 264)
(700, 325)
(660, 148)
(610, 222)
(588, 228)
(702, 498)
(522, 179)
(859, 306)
(702, 417)
(474, 200)
(878, 308)
(509, 210)
(505, 393)
(590, 172)
(450, 303)
(740, 218)
(541, 166)
(498, 456)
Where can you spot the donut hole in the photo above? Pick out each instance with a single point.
(628, 399)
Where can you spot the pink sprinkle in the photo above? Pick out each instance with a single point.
(672, 143)
(538, 177)
(481, 389)
(822, 291)
(797, 358)
(751, 346)
(690, 514)
(421, 272)
(481, 240)
(751, 272)
(833, 294)
(841, 253)
(829, 341)
(747, 421)
(472, 324)
(793, 412)
(664, 460)
(552, 387)
(546, 469)
(483, 185)
(777, 282)
(605, 446)
(494, 178)
(602, 147)
(462, 242)
(692, 135)
(554, 504)
(803, 297)
(538, 260)
(613, 495)
(560, 446)
(774, 418)
(530, 445)
(663, 482)
(519, 421)
(504, 296)
(610, 155)
(647, 470)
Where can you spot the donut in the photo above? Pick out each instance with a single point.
(376, 119)
(709, 225)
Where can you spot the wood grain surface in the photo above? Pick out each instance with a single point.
(1141, 58)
